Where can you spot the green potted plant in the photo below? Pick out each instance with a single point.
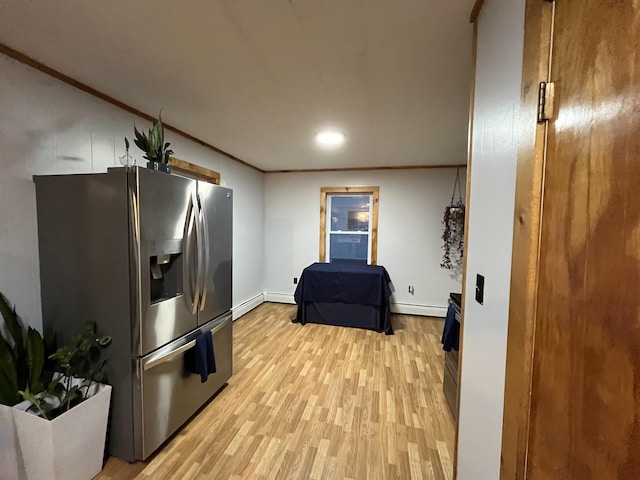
(22, 357)
(77, 368)
(156, 151)
(61, 431)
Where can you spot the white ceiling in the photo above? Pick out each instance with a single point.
(258, 78)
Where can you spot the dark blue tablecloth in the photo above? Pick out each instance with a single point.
(345, 294)
(451, 331)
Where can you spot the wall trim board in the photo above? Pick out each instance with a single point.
(401, 308)
(247, 306)
(363, 169)
(30, 62)
(421, 310)
(194, 171)
(279, 297)
(475, 11)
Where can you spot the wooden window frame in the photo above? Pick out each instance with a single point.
(375, 195)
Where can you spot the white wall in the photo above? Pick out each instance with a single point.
(411, 208)
(493, 170)
(47, 127)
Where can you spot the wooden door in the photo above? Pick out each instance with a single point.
(585, 392)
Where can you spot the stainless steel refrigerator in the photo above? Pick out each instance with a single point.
(147, 255)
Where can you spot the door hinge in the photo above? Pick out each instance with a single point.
(545, 101)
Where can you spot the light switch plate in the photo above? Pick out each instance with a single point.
(480, 289)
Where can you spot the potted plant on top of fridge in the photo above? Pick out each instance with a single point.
(61, 431)
(156, 151)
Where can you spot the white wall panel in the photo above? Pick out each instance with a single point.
(47, 127)
(410, 227)
(493, 171)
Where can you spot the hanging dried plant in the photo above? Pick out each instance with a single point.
(453, 235)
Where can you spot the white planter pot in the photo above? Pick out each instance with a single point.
(9, 463)
(69, 447)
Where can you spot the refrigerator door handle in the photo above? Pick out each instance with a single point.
(188, 280)
(205, 264)
(199, 249)
(169, 356)
(163, 358)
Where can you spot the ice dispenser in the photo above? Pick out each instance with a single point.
(165, 276)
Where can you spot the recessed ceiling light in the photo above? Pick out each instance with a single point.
(330, 138)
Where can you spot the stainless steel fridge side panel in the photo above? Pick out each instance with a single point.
(217, 205)
(84, 274)
(164, 380)
(162, 204)
(135, 281)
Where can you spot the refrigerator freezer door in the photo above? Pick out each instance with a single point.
(159, 220)
(217, 212)
(170, 394)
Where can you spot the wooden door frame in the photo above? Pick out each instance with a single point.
(472, 97)
(526, 238)
(538, 27)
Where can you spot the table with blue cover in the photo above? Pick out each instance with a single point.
(346, 295)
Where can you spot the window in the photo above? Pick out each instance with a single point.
(349, 224)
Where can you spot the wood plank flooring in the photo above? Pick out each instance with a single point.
(317, 402)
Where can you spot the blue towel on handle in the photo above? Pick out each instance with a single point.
(205, 361)
(451, 331)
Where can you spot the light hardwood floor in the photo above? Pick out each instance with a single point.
(317, 401)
